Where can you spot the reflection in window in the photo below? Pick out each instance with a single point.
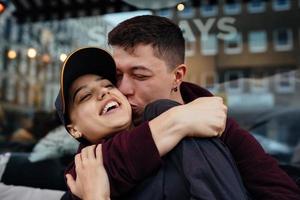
(233, 44)
(10, 94)
(234, 82)
(190, 48)
(256, 6)
(188, 12)
(257, 41)
(208, 9)
(285, 82)
(210, 82)
(165, 13)
(280, 5)
(209, 44)
(283, 39)
(14, 31)
(51, 91)
(259, 83)
(190, 40)
(12, 67)
(21, 90)
(1, 87)
(2, 54)
(232, 7)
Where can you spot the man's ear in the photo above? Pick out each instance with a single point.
(74, 131)
(179, 74)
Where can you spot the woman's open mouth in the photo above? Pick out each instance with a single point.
(109, 107)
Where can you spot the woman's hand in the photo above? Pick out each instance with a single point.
(92, 181)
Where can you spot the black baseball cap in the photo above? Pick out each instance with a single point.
(88, 60)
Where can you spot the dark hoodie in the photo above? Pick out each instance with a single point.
(260, 172)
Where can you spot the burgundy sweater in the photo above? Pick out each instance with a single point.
(131, 156)
(128, 157)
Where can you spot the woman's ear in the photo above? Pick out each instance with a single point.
(74, 131)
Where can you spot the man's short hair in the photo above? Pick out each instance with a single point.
(165, 37)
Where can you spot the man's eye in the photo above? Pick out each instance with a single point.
(140, 76)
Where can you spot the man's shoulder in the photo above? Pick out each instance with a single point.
(191, 91)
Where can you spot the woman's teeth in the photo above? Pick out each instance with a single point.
(109, 106)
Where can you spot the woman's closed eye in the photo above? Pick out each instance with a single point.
(109, 86)
(84, 97)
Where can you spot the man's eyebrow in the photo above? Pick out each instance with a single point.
(140, 67)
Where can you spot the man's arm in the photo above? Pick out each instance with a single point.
(260, 172)
(173, 125)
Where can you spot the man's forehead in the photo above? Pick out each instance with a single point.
(135, 50)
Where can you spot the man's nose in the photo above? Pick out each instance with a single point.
(125, 85)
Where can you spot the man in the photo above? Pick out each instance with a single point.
(94, 111)
(149, 54)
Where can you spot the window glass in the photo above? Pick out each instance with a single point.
(210, 81)
(233, 44)
(165, 13)
(234, 81)
(257, 41)
(259, 83)
(209, 44)
(188, 12)
(232, 7)
(283, 39)
(208, 9)
(281, 5)
(256, 6)
(246, 51)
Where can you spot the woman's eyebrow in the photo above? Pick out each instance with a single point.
(84, 86)
(76, 92)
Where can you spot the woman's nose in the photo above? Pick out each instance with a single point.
(102, 93)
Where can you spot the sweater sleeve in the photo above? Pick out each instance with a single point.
(129, 157)
(260, 172)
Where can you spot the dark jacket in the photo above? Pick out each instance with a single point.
(260, 172)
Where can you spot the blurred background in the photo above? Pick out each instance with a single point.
(247, 51)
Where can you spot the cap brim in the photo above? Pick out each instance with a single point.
(89, 60)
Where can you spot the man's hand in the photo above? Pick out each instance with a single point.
(91, 182)
(203, 117)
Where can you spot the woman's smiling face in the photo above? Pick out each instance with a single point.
(96, 108)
